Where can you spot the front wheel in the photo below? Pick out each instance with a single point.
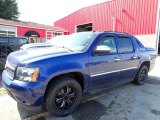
(63, 96)
(142, 75)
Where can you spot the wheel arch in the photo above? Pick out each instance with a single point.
(147, 63)
(78, 76)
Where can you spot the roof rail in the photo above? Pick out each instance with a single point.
(116, 32)
(111, 31)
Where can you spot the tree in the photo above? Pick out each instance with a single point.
(9, 9)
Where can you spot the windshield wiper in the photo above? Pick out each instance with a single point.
(65, 48)
(68, 48)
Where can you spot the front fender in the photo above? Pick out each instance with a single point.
(63, 72)
(68, 68)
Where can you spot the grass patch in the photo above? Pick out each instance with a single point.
(3, 92)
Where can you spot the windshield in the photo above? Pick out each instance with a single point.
(75, 42)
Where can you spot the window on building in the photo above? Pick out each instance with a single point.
(125, 45)
(55, 34)
(3, 33)
(84, 27)
(11, 34)
(7, 31)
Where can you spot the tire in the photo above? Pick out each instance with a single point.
(63, 96)
(8, 51)
(142, 75)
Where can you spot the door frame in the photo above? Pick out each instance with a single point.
(35, 39)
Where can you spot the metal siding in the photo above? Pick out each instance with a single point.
(155, 11)
(138, 18)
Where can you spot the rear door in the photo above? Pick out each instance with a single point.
(13, 44)
(129, 60)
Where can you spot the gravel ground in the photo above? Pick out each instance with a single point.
(126, 102)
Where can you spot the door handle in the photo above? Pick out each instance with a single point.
(134, 57)
(117, 59)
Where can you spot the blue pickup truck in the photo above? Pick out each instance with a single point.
(53, 77)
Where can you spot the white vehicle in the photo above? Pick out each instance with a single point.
(46, 44)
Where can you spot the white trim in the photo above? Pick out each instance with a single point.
(12, 27)
(46, 35)
(16, 32)
(104, 73)
(75, 29)
(29, 27)
(158, 25)
(9, 29)
(114, 23)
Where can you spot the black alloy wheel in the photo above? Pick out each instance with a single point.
(142, 75)
(63, 96)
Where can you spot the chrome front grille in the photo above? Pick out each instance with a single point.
(10, 67)
(10, 74)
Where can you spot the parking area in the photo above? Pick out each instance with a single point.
(126, 102)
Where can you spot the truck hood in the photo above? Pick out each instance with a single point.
(39, 53)
(34, 45)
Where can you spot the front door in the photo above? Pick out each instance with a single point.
(104, 68)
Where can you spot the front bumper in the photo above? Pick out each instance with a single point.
(26, 93)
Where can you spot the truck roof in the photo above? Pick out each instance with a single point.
(113, 32)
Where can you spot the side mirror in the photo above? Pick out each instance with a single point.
(102, 49)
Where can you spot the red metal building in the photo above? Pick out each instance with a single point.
(137, 17)
(33, 31)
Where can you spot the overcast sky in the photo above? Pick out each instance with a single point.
(48, 11)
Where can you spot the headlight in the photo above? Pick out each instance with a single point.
(27, 74)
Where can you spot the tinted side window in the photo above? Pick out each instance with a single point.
(139, 44)
(12, 40)
(125, 45)
(23, 41)
(109, 42)
(3, 40)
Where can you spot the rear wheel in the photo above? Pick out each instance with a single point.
(142, 75)
(63, 97)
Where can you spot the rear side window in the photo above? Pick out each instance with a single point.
(139, 44)
(125, 45)
(12, 40)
